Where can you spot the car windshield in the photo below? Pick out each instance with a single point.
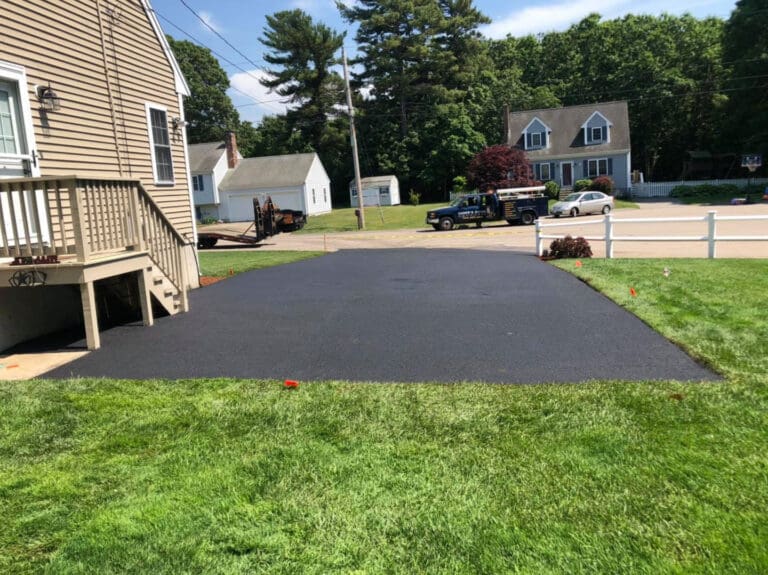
(572, 197)
(458, 201)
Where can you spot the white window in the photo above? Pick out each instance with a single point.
(536, 139)
(160, 144)
(197, 183)
(544, 172)
(354, 192)
(597, 134)
(597, 168)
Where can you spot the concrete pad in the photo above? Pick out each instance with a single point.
(20, 366)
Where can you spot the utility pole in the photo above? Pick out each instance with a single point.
(353, 137)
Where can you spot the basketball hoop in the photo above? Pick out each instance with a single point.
(751, 162)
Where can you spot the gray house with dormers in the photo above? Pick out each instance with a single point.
(576, 142)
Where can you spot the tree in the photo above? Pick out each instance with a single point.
(500, 167)
(305, 53)
(208, 110)
(745, 51)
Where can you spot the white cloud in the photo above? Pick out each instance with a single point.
(548, 18)
(261, 102)
(559, 16)
(207, 17)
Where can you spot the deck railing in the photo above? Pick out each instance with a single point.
(88, 218)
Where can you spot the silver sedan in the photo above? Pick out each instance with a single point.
(583, 203)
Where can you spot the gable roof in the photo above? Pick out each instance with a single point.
(269, 172)
(204, 157)
(567, 123)
(372, 180)
(181, 83)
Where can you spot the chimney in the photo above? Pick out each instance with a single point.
(231, 143)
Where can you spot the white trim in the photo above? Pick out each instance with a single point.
(158, 182)
(562, 178)
(14, 73)
(185, 147)
(181, 83)
(596, 113)
(597, 163)
(547, 131)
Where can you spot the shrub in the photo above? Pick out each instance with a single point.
(209, 220)
(499, 167)
(553, 189)
(580, 185)
(414, 198)
(569, 247)
(459, 185)
(602, 184)
(705, 190)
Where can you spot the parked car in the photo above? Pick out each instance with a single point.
(583, 203)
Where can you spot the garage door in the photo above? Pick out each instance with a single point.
(240, 208)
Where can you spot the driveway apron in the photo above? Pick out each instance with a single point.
(408, 315)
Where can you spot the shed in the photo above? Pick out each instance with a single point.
(377, 191)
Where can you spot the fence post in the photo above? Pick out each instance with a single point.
(609, 235)
(538, 238)
(711, 233)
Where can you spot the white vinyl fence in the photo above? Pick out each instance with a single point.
(608, 223)
(664, 189)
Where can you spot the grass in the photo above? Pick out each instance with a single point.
(719, 199)
(394, 218)
(219, 264)
(236, 476)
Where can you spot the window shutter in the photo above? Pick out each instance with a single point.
(537, 171)
(544, 139)
(527, 141)
(586, 169)
(552, 170)
(605, 133)
(610, 165)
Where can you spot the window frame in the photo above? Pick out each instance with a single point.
(541, 171)
(597, 162)
(153, 146)
(533, 141)
(599, 137)
(198, 183)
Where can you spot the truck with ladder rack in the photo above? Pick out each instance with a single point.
(268, 220)
(524, 205)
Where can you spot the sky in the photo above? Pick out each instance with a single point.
(232, 28)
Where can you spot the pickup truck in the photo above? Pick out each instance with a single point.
(522, 205)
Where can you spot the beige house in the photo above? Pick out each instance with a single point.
(95, 202)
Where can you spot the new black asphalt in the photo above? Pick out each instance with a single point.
(395, 315)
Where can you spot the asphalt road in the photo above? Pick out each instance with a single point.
(395, 315)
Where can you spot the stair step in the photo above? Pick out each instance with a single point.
(158, 280)
(169, 293)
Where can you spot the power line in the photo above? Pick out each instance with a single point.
(222, 57)
(212, 29)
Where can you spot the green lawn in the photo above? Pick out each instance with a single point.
(226, 476)
(221, 263)
(384, 218)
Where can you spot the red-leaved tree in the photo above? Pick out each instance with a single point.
(500, 167)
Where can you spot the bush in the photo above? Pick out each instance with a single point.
(414, 198)
(705, 190)
(580, 185)
(602, 184)
(553, 189)
(209, 220)
(569, 247)
(459, 185)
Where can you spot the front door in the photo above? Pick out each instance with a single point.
(567, 175)
(18, 158)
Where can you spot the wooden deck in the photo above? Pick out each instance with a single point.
(70, 230)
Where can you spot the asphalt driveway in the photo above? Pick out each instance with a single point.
(395, 315)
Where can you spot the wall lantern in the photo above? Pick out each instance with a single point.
(49, 100)
(178, 123)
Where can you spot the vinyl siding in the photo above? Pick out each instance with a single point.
(60, 41)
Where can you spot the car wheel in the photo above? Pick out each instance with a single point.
(574, 212)
(478, 224)
(446, 224)
(555, 215)
(527, 218)
(436, 226)
(606, 209)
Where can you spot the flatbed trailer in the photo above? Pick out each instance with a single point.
(268, 221)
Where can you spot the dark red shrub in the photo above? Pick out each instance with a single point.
(569, 247)
(602, 184)
(500, 167)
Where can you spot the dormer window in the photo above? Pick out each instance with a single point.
(597, 130)
(536, 135)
